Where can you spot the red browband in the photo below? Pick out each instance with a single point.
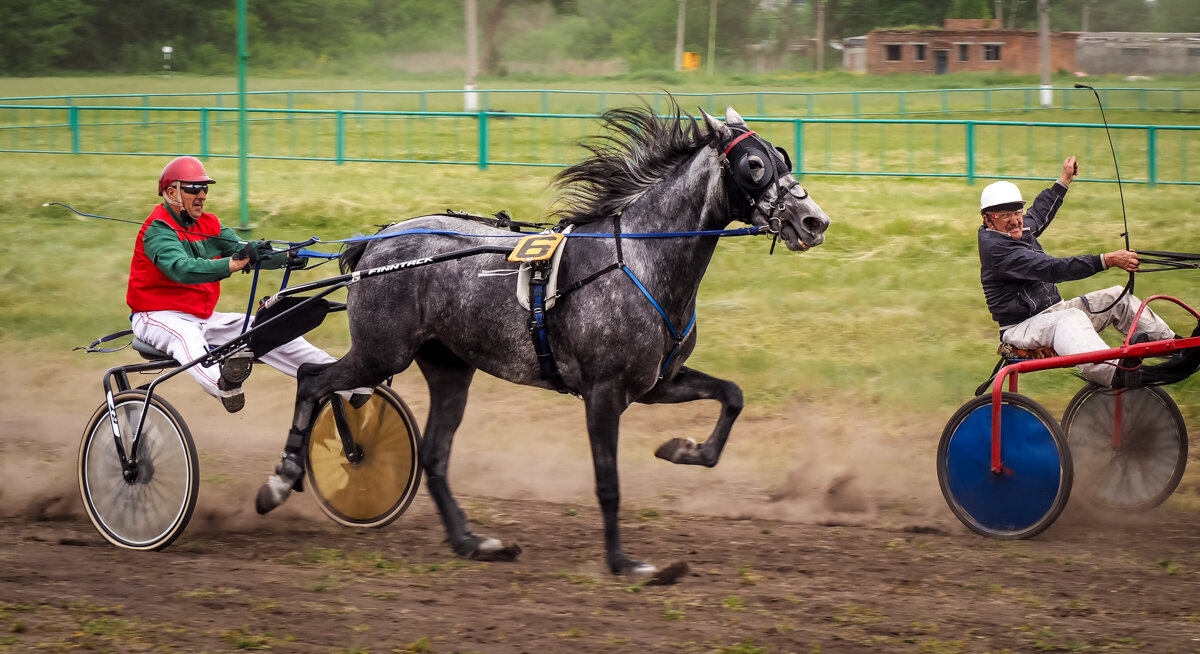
(736, 141)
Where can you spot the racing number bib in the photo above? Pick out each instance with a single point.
(536, 247)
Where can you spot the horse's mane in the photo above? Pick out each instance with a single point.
(638, 150)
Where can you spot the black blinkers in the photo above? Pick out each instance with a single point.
(751, 165)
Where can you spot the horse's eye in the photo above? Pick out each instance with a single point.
(757, 169)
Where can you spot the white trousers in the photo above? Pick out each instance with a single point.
(1070, 327)
(186, 337)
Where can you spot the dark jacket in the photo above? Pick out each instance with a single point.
(1018, 276)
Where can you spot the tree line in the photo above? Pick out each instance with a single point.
(119, 36)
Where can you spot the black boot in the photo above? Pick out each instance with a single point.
(1178, 367)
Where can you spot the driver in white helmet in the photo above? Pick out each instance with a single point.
(1019, 281)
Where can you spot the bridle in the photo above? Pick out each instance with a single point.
(745, 192)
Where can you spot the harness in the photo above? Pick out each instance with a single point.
(749, 166)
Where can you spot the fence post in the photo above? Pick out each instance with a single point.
(856, 106)
(341, 138)
(146, 113)
(970, 152)
(798, 163)
(1151, 140)
(483, 140)
(203, 133)
(762, 109)
(73, 120)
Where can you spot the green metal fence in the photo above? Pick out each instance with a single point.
(1150, 154)
(788, 104)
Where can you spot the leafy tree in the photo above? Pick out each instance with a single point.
(970, 9)
(38, 35)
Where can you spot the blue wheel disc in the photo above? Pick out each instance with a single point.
(1031, 490)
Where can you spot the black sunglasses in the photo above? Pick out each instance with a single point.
(194, 189)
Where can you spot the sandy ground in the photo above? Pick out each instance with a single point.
(822, 529)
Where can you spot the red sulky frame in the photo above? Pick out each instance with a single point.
(1010, 372)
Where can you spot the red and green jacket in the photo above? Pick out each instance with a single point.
(177, 263)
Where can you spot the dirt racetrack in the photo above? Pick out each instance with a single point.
(822, 530)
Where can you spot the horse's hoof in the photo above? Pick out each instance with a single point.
(680, 450)
(488, 545)
(490, 549)
(630, 568)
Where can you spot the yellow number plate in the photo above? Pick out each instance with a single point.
(536, 247)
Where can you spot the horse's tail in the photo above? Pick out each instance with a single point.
(348, 261)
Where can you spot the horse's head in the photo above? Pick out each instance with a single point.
(760, 187)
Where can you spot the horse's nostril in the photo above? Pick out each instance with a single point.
(814, 224)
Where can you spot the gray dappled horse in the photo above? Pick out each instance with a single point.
(612, 345)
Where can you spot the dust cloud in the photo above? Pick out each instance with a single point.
(804, 462)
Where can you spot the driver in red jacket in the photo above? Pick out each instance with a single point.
(179, 259)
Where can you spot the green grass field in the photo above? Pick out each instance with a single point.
(887, 315)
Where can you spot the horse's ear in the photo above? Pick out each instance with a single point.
(716, 127)
(732, 117)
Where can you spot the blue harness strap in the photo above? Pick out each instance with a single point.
(678, 336)
(539, 277)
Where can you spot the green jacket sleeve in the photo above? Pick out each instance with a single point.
(230, 242)
(187, 262)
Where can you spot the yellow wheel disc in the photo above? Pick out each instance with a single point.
(376, 490)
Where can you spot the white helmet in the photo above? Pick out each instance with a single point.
(998, 193)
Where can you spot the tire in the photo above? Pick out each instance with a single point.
(1145, 467)
(1033, 488)
(378, 489)
(150, 512)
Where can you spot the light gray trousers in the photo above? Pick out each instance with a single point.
(1069, 327)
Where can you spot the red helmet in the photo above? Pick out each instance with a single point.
(183, 169)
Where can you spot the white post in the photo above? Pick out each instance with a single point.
(470, 97)
(167, 50)
(1047, 92)
(679, 36)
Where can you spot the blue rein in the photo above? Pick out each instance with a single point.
(741, 231)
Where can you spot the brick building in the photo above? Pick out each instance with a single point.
(965, 45)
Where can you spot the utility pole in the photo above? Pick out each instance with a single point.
(470, 97)
(679, 36)
(820, 45)
(712, 34)
(999, 18)
(1044, 51)
(1083, 23)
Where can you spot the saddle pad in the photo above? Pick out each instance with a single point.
(552, 287)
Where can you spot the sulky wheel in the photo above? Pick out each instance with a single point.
(1129, 447)
(1032, 488)
(147, 507)
(374, 485)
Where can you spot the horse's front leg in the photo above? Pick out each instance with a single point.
(604, 408)
(690, 385)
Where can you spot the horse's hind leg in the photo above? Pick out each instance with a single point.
(691, 385)
(313, 382)
(449, 378)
